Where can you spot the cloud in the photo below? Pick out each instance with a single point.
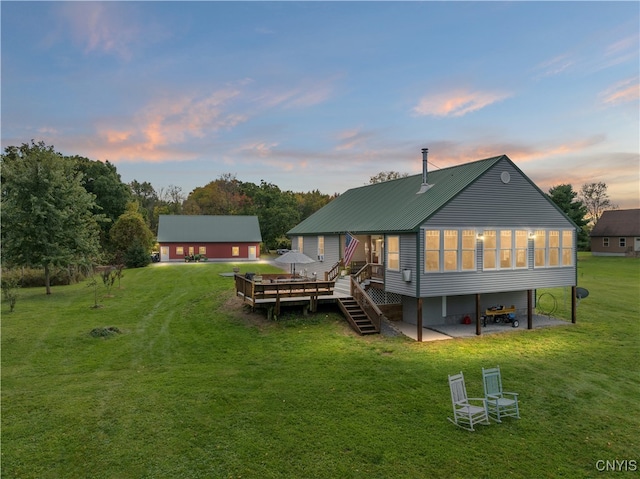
(457, 102)
(625, 91)
(352, 139)
(167, 124)
(309, 93)
(100, 27)
(554, 66)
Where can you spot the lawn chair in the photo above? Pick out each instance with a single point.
(465, 414)
(500, 403)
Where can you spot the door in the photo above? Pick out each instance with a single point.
(636, 246)
(252, 252)
(164, 253)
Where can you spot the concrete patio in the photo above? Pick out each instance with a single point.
(442, 332)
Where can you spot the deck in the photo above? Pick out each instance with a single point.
(271, 290)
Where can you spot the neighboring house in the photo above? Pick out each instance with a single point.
(617, 233)
(451, 242)
(214, 237)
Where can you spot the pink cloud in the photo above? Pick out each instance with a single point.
(100, 27)
(457, 102)
(625, 91)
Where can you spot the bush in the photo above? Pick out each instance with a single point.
(9, 293)
(34, 277)
(137, 256)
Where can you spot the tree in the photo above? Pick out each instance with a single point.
(309, 203)
(224, 196)
(112, 195)
(594, 197)
(386, 176)
(47, 215)
(148, 200)
(565, 198)
(277, 211)
(130, 231)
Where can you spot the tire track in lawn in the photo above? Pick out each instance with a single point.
(152, 331)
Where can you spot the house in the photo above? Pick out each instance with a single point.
(617, 233)
(214, 237)
(448, 243)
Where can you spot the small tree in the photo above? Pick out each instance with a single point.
(595, 198)
(9, 293)
(130, 233)
(137, 256)
(108, 278)
(565, 198)
(92, 282)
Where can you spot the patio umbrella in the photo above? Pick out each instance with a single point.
(293, 258)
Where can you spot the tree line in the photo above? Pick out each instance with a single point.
(69, 211)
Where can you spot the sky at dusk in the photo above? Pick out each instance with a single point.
(324, 95)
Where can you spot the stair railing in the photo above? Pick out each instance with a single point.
(333, 272)
(364, 301)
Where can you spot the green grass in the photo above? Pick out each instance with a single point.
(195, 386)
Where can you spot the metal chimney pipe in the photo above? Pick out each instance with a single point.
(425, 185)
(425, 152)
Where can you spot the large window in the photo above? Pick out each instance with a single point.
(506, 247)
(393, 253)
(468, 260)
(202, 250)
(179, 250)
(490, 247)
(432, 250)
(321, 248)
(522, 244)
(540, 249)
(235, 251)
(450, 250)
(553, 248)
(567, 248)
(300, 244)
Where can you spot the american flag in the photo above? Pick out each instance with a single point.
(350, 248)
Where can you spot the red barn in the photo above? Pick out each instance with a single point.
(207, 236)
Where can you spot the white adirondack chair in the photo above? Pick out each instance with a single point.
(466, 411)
(500, 403)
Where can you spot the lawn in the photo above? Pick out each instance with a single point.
(196, 386)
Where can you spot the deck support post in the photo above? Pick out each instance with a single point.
(419, 331)
(529, 309)
(478, 320)
(574, 304)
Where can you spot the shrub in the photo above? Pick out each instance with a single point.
(137, 256)
(9, 293)
(34, 277)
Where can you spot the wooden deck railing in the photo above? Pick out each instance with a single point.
(274, 286)
(370, 271)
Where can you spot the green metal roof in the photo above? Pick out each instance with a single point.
(393, 206)
(208, 228)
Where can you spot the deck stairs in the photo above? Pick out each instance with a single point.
(351, 309)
